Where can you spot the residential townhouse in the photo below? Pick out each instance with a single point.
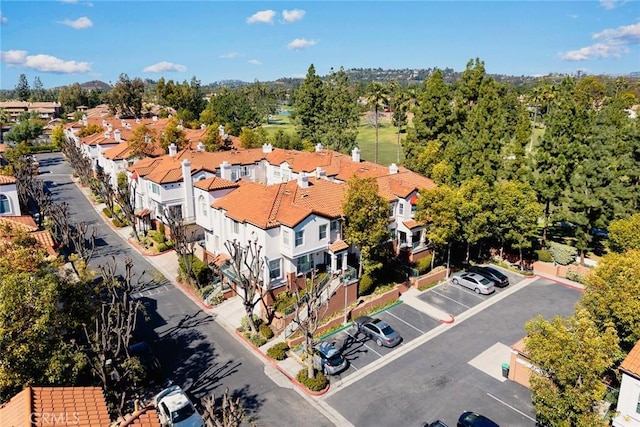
(628, 409)
(45, 110)
(9, 202)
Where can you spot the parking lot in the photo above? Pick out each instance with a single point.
(456, 299)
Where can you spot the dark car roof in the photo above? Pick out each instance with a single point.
(363, 319)
(477, 420)
(487, 270)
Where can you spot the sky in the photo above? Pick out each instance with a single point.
(68, 41)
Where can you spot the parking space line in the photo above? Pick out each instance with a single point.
(450, 299)
(405, 322)
(363, 343)
(511, 407)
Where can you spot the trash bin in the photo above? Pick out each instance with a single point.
(505, 370)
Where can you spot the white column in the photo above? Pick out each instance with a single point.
(187, 181)
(344, 260)
(334, 263)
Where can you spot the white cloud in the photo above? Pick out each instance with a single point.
(255, 62)
(598, 50)
(613, 44)
(79, 23)
(612, 4)
(301, 44)
(262, 17)
(3, 19)
(164, 66)
(44, 63)
(229, 55)
(69, 1)
(292, 15)
(13, 57)
(627, 34)
(573, 16)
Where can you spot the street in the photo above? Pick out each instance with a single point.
(194, 350)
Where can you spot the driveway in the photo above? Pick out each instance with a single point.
(436, 380)
(194, 350)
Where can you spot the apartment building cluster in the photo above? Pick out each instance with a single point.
(289, 201)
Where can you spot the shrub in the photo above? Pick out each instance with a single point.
(161, 228)
(117, 222)
(424, 264)
(162, 247)
(265, 331)
(199, 270)
(278, 351)
(365, 286)
(572, 275)
(107, 212)
(256, 339)
(544, 255)
(157, 236)
(562, 254)
(244, 322)
(314, 384)
(285, 302)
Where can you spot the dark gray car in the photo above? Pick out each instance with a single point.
(378, 330)
(328, 359)
(497, 277)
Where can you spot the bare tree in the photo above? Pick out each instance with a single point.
(247, 265)
(125, 196)
(229, 413)
(61, 229)
(108, 341)
(183, 240)
(101, 185)
(311, 307)
(83, 240)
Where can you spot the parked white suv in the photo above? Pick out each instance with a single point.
(176, 410)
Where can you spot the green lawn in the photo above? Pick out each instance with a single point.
(366, 140)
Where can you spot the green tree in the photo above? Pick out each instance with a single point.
(24, 131)
(366, 220)
(473, 211)
(252, 138)
(377, 97)
(432, 121)
(572, 354)
(38, 92)
(612, 295)
(263, 99)
(437, 208)
(231, 108)
(342, 116)
(212, 139)
(40, 310)
(5, 118)
(23, 91)
(174, 133)
(57, 136)
(125, 98)
(309, 107)
(401, 102)
(515, 214)
(143, 141)
(624, 234)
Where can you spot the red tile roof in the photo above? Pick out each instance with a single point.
(6, 179)
(285, 203)
(214, 183)
(69, 406)
(23, 222)
(631, 363)
(410, 224)
(338, 245)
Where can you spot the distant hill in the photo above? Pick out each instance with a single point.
(96, 84)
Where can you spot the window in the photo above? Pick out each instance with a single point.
(402, 237)
(236, 227)
(276, 173)
(244, 171)
(203, 205)
(274, 268)
(299, 237)
(638, 406)
(335, 225)
(400, 209)
(285, 237)
(234, 175)
(5, 207)
(322, 232)
(155, 188)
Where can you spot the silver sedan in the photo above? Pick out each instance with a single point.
(475, 282)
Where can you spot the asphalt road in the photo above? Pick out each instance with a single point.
(195, 351)
(435, 381)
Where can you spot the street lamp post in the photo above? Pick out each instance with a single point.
(345, 282)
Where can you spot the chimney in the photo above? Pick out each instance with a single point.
(187, 181)
(84, 120)
(116, 135)
(267, 148)
(318, 148)
(107, 135)
(137, 120)
(155, 118)
(355, 155)
(303, 180)
(321, 173)
(203, 126)
(123, 123)
(201, 146)
(173, 150)
(393, 169)
(221, 130)
(225, 170)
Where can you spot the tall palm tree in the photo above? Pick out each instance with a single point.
(377, 96)
(399, 116)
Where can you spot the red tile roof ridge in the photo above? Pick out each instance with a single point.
(631, 363)
(275, 207)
